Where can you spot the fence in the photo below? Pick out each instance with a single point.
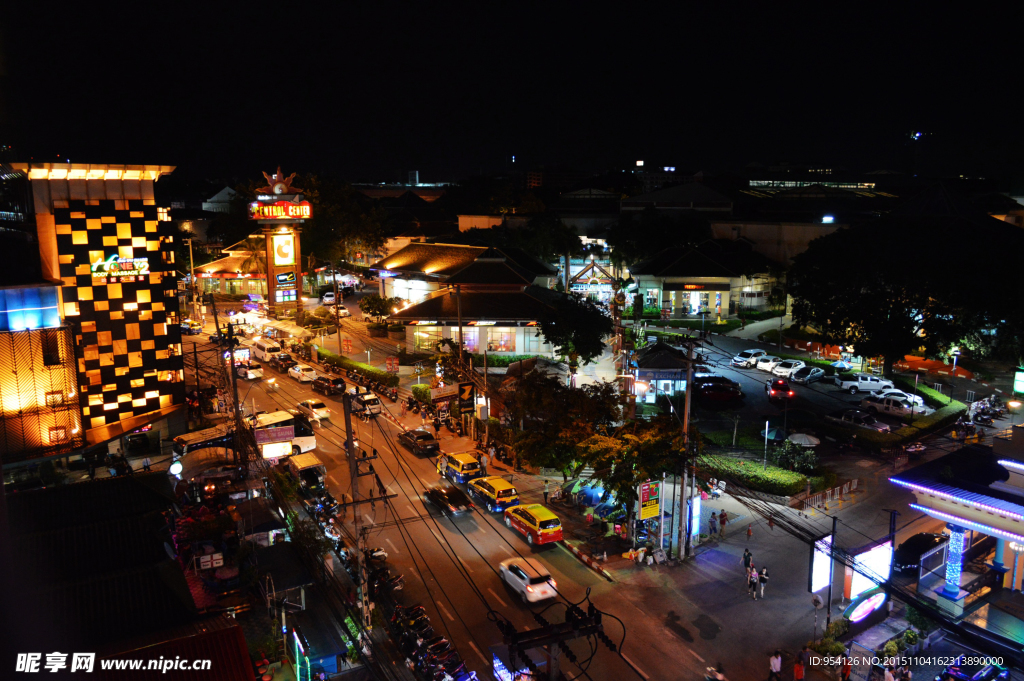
(836, 494)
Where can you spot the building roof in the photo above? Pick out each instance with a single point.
(694, 195)
(257, 515)
(660, 355)
(526, 304)
(712, 258)
(492, 268)
(229, 264)
(967, 473)
(282, 562)
(438, 260)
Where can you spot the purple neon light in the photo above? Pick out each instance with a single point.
(1012, 464)
(867, 607)
(965, 502)
(966, 522)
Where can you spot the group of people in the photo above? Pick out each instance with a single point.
(716, 524)
(754, 578)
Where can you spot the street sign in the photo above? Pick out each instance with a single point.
(346, 345)
(467, 398)
(392, 364)
(650, 500)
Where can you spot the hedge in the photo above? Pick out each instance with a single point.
(754, 476)
(339, 362)
(421, 393)
(499, 360)
(932, 398)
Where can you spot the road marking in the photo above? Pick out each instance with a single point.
(503, 604)
(331, 478)
(436, 536)
(393, 547)
(446, 613)
(696, 655)
(469, 569)
(477, 651)
(633, 665)
(368, 518)
(505, 549)
(411, 509)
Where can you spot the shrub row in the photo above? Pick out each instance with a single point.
(339, 362)
(499, 360)
(421, 393)
(754, 476)
(932, 398)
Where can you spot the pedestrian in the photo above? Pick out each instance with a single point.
(723, 518)
(775, 666)
(437, 428)
(889, 676)
(747, 558)
(845, 669)
(712, 525)
(547, 488)
(491, 451)
(146, 464)
(763, 579)
(752, 581)
(771, 523)
(798, 666)
(907, 674)
(750, 531)
(403, 410)
(92, 470)
(485, 461)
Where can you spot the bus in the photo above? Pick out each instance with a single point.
(282, 433)
(265, 348)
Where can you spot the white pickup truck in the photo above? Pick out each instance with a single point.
(857, 382)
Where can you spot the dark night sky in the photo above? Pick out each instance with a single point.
(369, 93)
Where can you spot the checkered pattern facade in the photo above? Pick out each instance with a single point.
(128, 332)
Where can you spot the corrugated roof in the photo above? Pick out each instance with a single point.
(437, 260)
(525, 305)
(695, 193)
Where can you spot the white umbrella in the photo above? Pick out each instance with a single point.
(804, 440)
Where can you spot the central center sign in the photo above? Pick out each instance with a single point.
(280, 210)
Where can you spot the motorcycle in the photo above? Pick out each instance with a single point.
(393, 395)
(982, 419)
(376, 554)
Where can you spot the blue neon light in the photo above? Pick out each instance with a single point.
(967, 523)
(954, 560)
(28, 308)
(1012, 464)
(960, 500)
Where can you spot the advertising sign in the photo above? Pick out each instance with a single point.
(275, 450)
(346, 345)
(268, 435)
(392, 364)
(821, 556)
(115, 266)
(443, 394)
(286, 280)
(467, 398)
(280, 210)
(650, 500)
(284, 249)
(871, 568)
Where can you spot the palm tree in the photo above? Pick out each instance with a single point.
(255, 251)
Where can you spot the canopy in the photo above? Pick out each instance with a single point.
(775, 434)
(804, 440)
(287, 327)
(842, 364)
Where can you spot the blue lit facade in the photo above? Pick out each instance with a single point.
(31, 307)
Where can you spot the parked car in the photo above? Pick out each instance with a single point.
(419, 441)
(900, 395)
(858, 382)
(717, 392)
(314, 409)
(303, 373)
(342, 311)
(747, 358)
(807, 374)
(778, 389)
(786, 368)
(327, 298)
(707, 379)
(328, 385)
(892, 405)
(528, 578)
(250, 371)
(767, 363)
(536, 522)
(907, 558)
(282, 362)
(858, 418)
(449, 499)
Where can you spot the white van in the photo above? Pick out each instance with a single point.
(264, 348)
(365, 402)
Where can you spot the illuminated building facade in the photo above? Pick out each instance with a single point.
(99, 235)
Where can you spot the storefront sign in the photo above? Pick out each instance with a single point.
(280, 210)
(467, 398)
(284, 249)
(444, 394)
(276, 450)
(286, 279)
(650, 500)
(114, 266)
(279, 434)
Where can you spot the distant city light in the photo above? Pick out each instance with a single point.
(639, 164)
(513, 159)
(669, 169)
(827, 220)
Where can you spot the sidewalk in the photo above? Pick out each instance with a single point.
(754, 329)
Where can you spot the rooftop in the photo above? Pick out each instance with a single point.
(712, 258)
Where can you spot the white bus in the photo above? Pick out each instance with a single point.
(283, 433)
(264, 348)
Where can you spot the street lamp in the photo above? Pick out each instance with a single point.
(1014, 406)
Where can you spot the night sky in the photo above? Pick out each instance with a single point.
(370, 93)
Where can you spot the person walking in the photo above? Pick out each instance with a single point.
(146, 464)
(712, 525)
(547, 489)
(845, 669)
(723, 518)
(747, 558)
(752, 581)
(798, 665)
(763, 579)
(437, 428)
(485, 462)
(775, 666)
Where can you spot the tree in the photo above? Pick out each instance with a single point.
(636, 237)
(577, 328)
(255, 252)
(880, 287)
(378, 307)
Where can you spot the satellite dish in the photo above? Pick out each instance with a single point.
(818, 601)
(170, 551)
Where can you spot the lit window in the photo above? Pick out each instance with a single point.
(138, 383)
(58, 434)
(110, 407)
(150, 394)
(95, 400)
(55, 398)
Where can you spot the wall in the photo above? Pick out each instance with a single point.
(779, 241)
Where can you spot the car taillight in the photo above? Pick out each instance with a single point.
(790, 393)
(771, 392)
(452, 508)
(529, 588)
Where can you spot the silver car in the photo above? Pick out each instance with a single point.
(767, 363)
(303, 373)
(786, 368)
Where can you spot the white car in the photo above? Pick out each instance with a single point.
(342, 311)
(748, 358)
(315, 409)
(787, 368)
(303, 373)
(529, 578)
(327, 298)
(767, 363)
(250, 371)
(900, 395)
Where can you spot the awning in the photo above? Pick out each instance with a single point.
(287, 327)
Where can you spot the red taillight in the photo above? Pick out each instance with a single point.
(771, 392)
(529, 588)
(790, 393)
(452, 508)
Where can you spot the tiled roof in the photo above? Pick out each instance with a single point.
(227, 265)
(660, 355)
(694, 194)
(493, 272)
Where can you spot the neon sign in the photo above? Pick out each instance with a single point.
(280, 210)
(866, 607)
(114, 266)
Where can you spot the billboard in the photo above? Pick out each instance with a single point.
(871, 568)
(280, 210)
(284, 250)
(820, 570)
(467, 398)
(650, 500)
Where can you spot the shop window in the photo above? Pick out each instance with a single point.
(470, 339)
(501, 340)
(427, 337)
(51, 348)
(534, 341)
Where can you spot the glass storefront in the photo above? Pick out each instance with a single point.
(534, 342)
(427, 337)
(501, 339)
(470, 338)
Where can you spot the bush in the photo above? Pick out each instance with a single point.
(377, 326)
(820, 483)
(932, 398)
(421, 393)
(827, 647)
(919, 621)
(837, 628)
(753, 476)
(910, 636)
(890, 649)
(396, 327)
(499, 361)
(338, 362)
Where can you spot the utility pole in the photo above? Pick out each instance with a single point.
(458, 304)
(487, 400)
(192, 279)
(353, 468)
(831, 570)
(686, 441)
(235, 407)
(337, 302)
(216, 323)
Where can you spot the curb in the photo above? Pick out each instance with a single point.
(589, 561)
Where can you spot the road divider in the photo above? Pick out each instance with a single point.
(587, 560)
